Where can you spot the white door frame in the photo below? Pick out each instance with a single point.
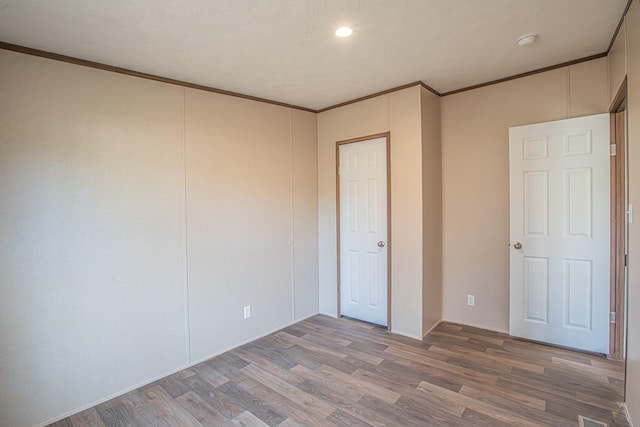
(619, 230)
(387, 136)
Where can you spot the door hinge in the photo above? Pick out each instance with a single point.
(612, 317)
(625, 259)
(612, 150)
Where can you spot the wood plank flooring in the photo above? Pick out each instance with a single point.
(339, 372)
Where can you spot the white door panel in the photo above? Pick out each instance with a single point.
(559, 200)
(363, 224)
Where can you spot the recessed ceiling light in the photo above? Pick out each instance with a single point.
(526, 39)
(344, 32)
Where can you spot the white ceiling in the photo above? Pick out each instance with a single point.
(285, 50)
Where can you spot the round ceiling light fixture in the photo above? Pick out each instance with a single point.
(343, 32)
(526, 39)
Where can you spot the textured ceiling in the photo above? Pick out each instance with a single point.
(285, 50)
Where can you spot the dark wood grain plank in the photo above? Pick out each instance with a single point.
(271, 415)
(142, 412)
(215, 398)
(116, 416)
(169, 408)
(206, 414)
(88, 418)
(63, 423)
(342, 419)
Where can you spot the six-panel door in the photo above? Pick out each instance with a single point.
(559, 201)
(363, 230)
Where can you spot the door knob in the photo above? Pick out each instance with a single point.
(517, 245)
(381, 244)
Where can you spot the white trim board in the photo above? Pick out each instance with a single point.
(435, 325)
(476, 325)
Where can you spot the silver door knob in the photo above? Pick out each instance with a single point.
(381, 244)
(517, 245)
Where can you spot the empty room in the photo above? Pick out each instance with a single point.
(319, 213)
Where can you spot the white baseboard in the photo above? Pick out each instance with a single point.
(431, 328)
(404, 334)
(204, 359)
(625, 409)
(305, 317)
(476, 325)
(166, 374)
(329, 313)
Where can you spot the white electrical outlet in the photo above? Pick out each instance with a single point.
(471, 300)
(247, 311)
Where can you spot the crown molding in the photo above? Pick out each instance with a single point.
(615, 33)
(384, 92)
(528, 73)
(119, 70)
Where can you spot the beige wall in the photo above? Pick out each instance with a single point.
(138, 218)
(617, 62)
(633, 115)
(431, 210)
(476, 179)
(406, 212)
(92, 216)
(399, 113)
(238, 219)
(305, 213)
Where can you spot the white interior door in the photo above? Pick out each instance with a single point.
(363, 230)
(559, 196)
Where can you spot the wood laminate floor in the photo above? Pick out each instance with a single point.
(339, 372)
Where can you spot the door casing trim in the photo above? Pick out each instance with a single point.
(619, 238)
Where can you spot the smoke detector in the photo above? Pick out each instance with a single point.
(526, 39)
